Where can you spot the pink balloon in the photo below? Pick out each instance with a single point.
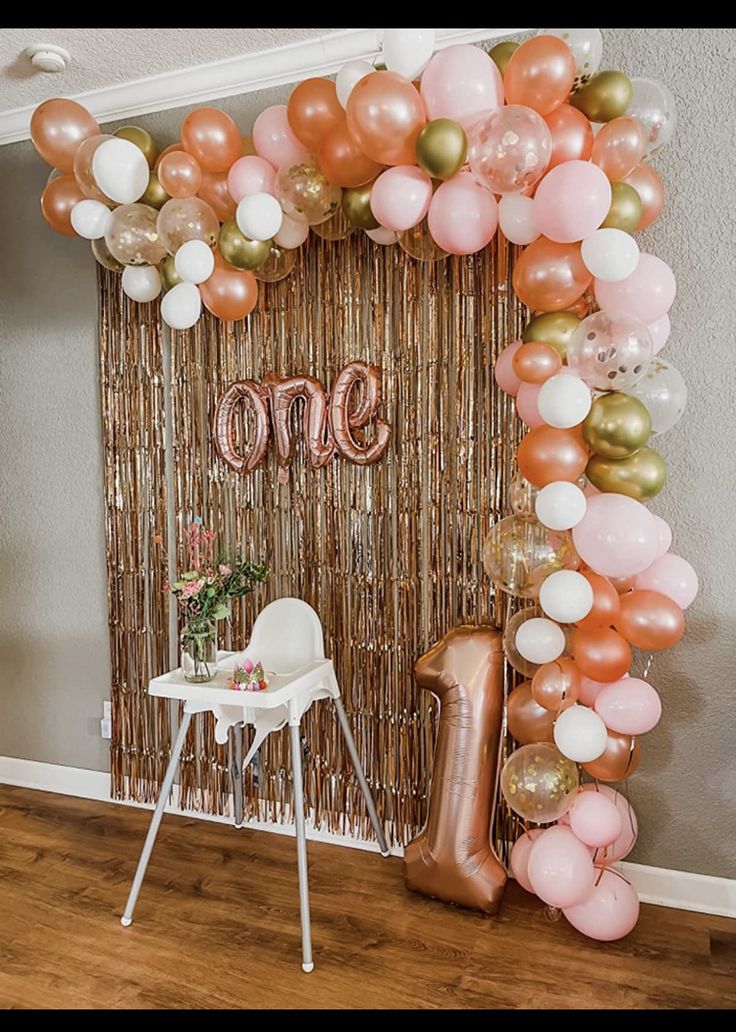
(665, 535)
(660, 331)
(617, 536)
(629, 706)
(274, 140)
(462, 83)
(503, 370)
(520, 857)
(629, 826)
(250, 175)
(594, 819)
(647, 294)
(590, 690)
(560, 868)
(670, 575)
(463, 215)
(609, 912)
(571, 201)
(400, 197)
(526, 404)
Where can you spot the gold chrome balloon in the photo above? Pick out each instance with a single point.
(167, 271)
(104, 256)
(155, 195)
(626, 209)
(356, 203)
(239, 250)
(640, 476)
(442, 147)
(605, 96)
(555, 328)
(142, 140)
(617, 425)
(502, 52)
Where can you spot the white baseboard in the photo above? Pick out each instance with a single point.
(682, 890)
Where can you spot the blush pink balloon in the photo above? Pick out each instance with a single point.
(274, 140)
(609, 912)
(660, 331)
(462, 83)
(626, 840)
(400, 197)
(594, 819)
(647, 294)
(503, 370)
(560, 868)
(670, 575)
(526, 404)
(463, 215)
(664, 532)
(520, 857)
(590, 690)
(617, 536)
(571, 201)
(629, 706)
(250, 175)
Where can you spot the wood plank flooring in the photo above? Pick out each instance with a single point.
(217, 925)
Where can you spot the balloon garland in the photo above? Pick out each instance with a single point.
(533, 139)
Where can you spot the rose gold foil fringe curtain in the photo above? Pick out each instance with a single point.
(389, 555)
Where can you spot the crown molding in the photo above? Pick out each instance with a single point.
(233, 75)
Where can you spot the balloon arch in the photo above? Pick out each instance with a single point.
(436, 153)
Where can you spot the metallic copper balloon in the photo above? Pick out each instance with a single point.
(180, 174)
(351, 412)
(601, 654)
(606, 605)
(526, 720)
(555, 328)
(650, 187)
(550, 276)
(617, 425)
(244, 458)
(452, 857)
(57, 200)
(167, 271)
(239, 250)
(442, 148)
(501, 54)
(619, 147)
(547, 454)
(540, 74)
(284, 391)
(650, 620)
(385, 115)
(313, 109)
(618, 761)
(556, 685)
(342, 161)
(626, 209)
(605, 96)
(58, 127)
(155, 196)
(356, 203)
(640, 476)
(214, 191)
(572, 135)
(229, 293)
(211, 136)
(536, 362)
(142, 139)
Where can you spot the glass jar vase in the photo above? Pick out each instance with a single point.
(199, 651)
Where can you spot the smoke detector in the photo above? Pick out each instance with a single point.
(47, 57)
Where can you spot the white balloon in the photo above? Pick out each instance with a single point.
(293, 232)
(580, 734)
(566, 596)
(259, 216)
(564, 401)
(90, 219)
(540, 640)
(407, 51)
(516, 218)
(181, 306)
(349, 76)
(141, 282)
(120, 170)
(382, 235)
(610, 254)
(560, 505)
(194, 261)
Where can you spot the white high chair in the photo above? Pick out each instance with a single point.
(287, 639)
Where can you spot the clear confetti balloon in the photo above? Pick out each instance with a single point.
(277, 266)
(513, 656)
(539, 783)
(522, 494)
(654, 106)
(187, 218)
(104, 256)
(587, 50)
(610, 352)
(519, 553)
(663, 391)
(510, 149)
(305, 192)
(132, 236)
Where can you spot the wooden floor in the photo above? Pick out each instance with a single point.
(217, 926)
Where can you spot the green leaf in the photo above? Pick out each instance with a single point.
(190, 575)
(220, 612)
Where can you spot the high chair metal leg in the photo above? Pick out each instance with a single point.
(301, 846)
(350, 742)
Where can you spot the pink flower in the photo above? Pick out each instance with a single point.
(191, 588)
(224, 569)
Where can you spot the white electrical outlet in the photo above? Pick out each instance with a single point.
(106, 722)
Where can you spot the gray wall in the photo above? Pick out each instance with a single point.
(54, 661)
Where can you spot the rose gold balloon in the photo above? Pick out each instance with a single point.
(342, 161)
(602, 654)
(284, 391)
(167, 150)
(536, 361)
(57, 201)
(572, 135)
(620, 758)
(312, 110)
(385, 116)
(550, 277)
(556, 685)
(619, 147)
(179, 174)
(229, 293)
(650, 620)
(606, 605)
(57, 128)
(527, 721)
(83, 168)
(540, 74)
(547, 454)
(240, 394)
(649, 185)
(211, 137)
(215, 192)
(356, 398)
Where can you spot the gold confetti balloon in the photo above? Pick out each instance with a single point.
(277, 266)
(303, 191)
(539, 783)
(519, 553)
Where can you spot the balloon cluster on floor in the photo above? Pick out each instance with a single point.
(568, 153)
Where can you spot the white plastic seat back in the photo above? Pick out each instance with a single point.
(287, 635)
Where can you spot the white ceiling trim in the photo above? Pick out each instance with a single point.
(234, 75)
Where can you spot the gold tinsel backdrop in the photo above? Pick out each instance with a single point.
(389, 554)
